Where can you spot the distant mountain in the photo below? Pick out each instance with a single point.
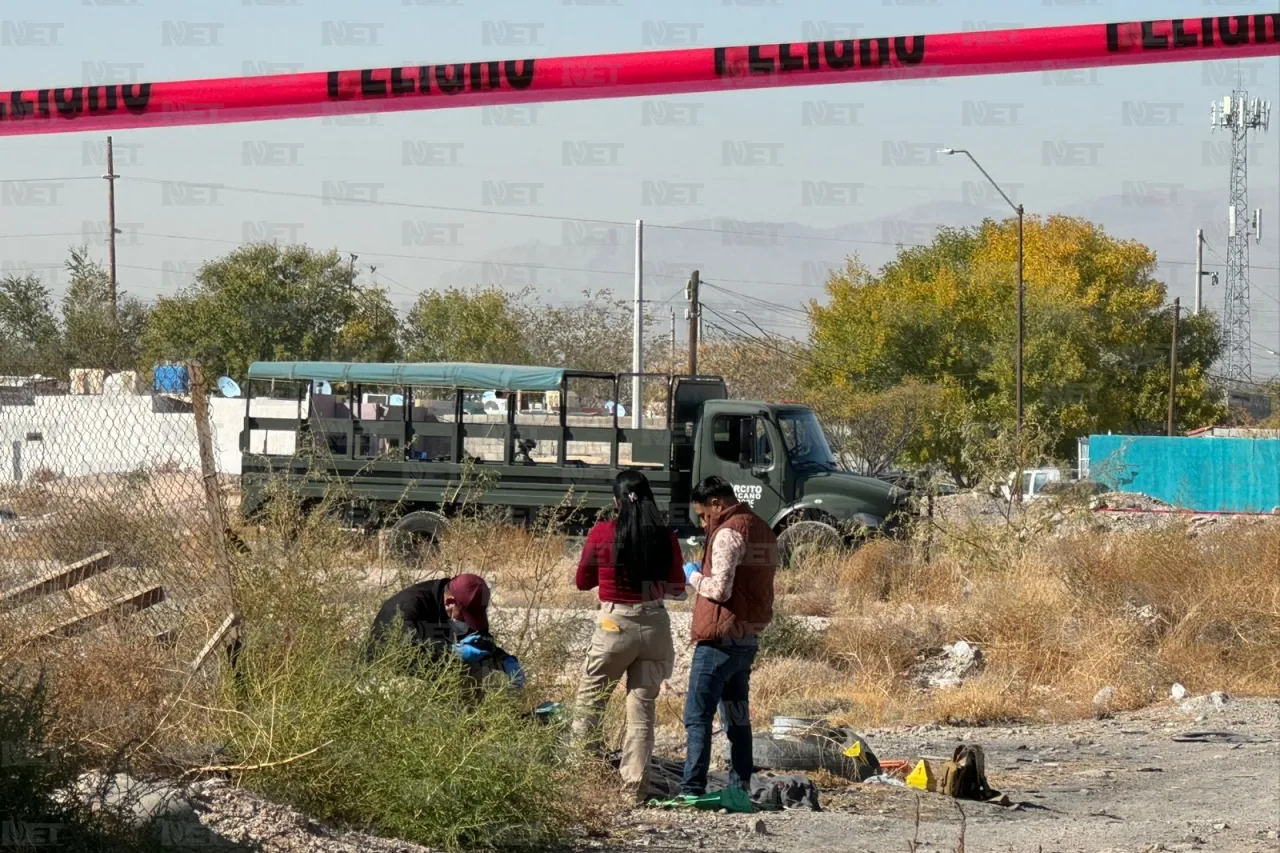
(787, 263)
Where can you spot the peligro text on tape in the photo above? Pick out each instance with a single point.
(622, 75)
(448, 79)
(68, 103)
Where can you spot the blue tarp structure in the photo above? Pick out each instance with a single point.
(1204, 474)
(486, 377)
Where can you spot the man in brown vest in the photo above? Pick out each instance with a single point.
(734, 604)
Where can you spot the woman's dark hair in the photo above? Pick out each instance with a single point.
(641, 541)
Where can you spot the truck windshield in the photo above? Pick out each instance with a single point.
(806, 443)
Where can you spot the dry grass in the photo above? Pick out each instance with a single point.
(1056, 619)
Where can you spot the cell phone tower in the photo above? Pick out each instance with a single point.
(1239, 114)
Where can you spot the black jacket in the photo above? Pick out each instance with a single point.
(421, 607)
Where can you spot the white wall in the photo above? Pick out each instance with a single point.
(84, 435)
(106, 434)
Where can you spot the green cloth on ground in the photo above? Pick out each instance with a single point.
(732, 799)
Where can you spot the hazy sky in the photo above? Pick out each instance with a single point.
(1147, 127)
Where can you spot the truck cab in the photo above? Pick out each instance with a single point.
(780, 464)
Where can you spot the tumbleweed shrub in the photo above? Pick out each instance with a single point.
(37, 772)
(306, 719)
(311, 724)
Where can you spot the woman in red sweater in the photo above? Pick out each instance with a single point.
(636, 563)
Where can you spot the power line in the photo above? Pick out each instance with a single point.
(44, 180)
(34, 236)
(764, 302)
(846, 240)
(515, 213)
(386, 203)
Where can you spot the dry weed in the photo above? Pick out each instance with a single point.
(1058, 619)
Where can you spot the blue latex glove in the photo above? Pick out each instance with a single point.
(689, 569)
(469, 652)
(514, 671)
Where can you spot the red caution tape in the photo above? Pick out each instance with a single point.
(425, 87)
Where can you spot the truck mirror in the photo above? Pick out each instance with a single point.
(746, 440)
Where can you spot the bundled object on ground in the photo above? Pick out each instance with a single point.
(769, 792)
(482, 654)
(838, 751)
(949, 667)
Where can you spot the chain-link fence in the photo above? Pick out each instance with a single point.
(112, 535)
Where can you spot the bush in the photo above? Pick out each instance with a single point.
(308, 722)
(36, 775)
(791, 636)
(414, 757)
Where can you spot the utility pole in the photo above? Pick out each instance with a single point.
(1017, 208)
(110, 178)
(1021, 314)
(351, 285)
(1173, 363)
(695, 315)
(637, 332)
(377, 306)
(1199, 270)
(673, 342)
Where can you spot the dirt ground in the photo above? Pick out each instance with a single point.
(1122, 785)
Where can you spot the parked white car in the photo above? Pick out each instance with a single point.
(1033, 482)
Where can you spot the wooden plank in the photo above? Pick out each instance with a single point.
(57, 580)
(218, 640)
(209, 476)
(131, 602)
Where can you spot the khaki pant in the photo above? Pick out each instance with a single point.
(632, 640)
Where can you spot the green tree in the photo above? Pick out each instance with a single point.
(373, 332)
(594, 334)
(266, 302)
(482, 324)
(30, 340)
(873, 432)
(91, 336)
(1097, 332)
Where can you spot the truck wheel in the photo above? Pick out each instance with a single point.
(416, 535)
(803, 540)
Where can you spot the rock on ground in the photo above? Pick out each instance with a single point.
(950, 667)
(239, 818)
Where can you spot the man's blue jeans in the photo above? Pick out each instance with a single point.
(720, 675)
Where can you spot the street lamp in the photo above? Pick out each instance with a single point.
(1017, 208)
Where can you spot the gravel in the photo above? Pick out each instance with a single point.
(1067, 514)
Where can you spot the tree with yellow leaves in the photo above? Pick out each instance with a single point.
(1096, 340)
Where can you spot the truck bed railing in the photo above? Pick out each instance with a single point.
(415, 434)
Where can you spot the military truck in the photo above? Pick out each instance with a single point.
(405, 459)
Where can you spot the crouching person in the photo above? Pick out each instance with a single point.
(733, 605)
(446, 619)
